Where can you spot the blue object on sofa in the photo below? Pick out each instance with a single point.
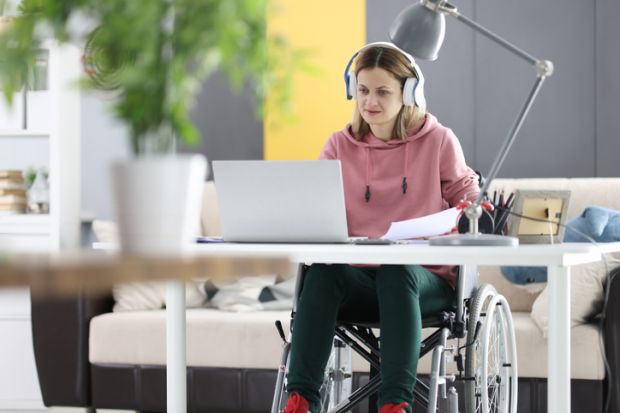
(600, 224)
(525, 275)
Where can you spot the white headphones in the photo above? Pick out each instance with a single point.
(413, 90)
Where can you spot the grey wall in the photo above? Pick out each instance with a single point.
(607, 35)
(104, 140)
(227, 122)
(477, 87)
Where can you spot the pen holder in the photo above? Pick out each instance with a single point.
(503, 206)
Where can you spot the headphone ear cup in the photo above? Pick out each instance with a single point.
(351, 86)
(409, 91)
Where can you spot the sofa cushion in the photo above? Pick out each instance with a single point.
(604, 192)
(249, 340)
(586, 296)
(210, 213)
(214, 338)
(586, 359)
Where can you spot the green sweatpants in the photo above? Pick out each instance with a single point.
(396, 295)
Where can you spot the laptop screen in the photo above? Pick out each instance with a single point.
(281, 201)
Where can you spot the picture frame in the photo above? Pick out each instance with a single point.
(540, 204)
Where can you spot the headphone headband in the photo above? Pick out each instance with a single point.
(413, 90)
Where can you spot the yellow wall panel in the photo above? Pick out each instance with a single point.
(330, 31)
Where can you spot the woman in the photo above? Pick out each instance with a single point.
(398, 162)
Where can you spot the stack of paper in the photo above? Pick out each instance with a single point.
(424, 227)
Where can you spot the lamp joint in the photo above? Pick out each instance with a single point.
(440, 6)
(544, 68)
(473, 212)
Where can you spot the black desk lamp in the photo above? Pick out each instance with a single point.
(420, 30)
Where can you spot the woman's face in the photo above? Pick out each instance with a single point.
(379, 99)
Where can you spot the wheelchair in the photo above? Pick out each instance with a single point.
(477, 336)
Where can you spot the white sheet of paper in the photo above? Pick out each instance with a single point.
(426, 226)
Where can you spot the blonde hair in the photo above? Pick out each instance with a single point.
(395, 63)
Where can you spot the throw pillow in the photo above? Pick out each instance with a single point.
(139, 296)
(586, 298)
(524, 275)
(601, 224)
(252, 294)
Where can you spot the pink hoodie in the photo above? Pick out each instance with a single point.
(401, 179)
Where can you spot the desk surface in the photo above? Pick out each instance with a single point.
(98, 271)
(558, 254)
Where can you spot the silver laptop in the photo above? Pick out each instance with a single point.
(281, 201)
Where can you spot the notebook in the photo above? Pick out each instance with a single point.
(281, 201)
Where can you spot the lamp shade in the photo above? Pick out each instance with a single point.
(419, 31)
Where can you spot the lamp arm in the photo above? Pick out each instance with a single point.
(544, 68)
(492, 36)
(510, 138)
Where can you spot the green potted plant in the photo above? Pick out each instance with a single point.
(154, 55)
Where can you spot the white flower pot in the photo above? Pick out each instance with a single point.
(157, 202)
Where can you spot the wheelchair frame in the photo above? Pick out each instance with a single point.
(480, 307)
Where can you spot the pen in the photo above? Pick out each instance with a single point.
(509, 200)
(505, 212)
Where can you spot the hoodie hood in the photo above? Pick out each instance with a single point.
(371, 142)
(428, 125)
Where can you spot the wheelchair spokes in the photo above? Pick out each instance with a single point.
(491, 359)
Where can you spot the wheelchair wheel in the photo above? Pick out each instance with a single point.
(490, 358)
(337, 379)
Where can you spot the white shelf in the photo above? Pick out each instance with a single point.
(23, 134)
(21, 224)
(52, 141)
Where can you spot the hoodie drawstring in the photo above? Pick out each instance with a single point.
(404, 184)
(367, 193)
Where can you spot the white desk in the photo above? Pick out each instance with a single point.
(558, 258)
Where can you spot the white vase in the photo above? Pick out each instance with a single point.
(157, 201)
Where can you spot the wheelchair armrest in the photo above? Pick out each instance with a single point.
(612, 339)
(60, 333)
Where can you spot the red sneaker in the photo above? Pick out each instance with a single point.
(296, 404)
(394, 408)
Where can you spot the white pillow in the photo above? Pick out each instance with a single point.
(139, 296)
(242, 294)
(586, 296)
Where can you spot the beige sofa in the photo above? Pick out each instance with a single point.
(238, 352)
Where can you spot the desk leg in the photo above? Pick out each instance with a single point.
(559, 348)
(175, 348)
